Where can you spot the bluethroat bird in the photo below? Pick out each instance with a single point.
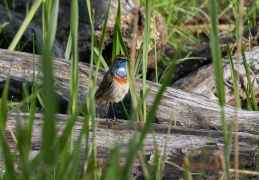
(114, 85)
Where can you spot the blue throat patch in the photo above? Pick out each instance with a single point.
(120, 70)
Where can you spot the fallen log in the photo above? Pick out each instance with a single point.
(204, 77)
(182, 142)
(190, 109)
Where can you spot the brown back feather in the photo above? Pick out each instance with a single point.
(105, 84)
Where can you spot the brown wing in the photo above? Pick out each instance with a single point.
(105, 84)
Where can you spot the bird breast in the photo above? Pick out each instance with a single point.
(118, 90)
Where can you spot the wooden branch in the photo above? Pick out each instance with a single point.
(189, 109)
(182, 141)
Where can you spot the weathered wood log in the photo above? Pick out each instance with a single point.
(182, 142)
(190, 109)
(203, 81)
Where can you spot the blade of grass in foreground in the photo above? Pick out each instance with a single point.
(218, 70)
(10, 172)
(49, 129)
(75, 157)
(74, 64)
(113, 168)
(25, 24)
(91, 105)
(24, 139)
(136, 144)
(145, 52)
(22, 148)
(60, 146)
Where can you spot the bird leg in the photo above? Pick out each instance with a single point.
(113, 112)
(106, 110)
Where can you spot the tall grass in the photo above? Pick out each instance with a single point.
(49, 128)
(25, 24)
(145, 52)
(218, 70)
(59, 157)
(74, 63)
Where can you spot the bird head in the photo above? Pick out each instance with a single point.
(119, 64)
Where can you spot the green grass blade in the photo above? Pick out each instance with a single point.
(24, 101)
(61, 87)
(154, 24)
(91, 104)
(103, 38)
(69, 46)
(249, 80)
(218, 70)
(31, 119)
(9, 162)
(116, 41)
(91, 22)
(132, 151)
(7, 8)
(152, 112)
(233, 75)
(249, 105)
(74, 64)
(60, 145)
(125, 111)
(49, 129)
(25, 93)
(23, 148)
(145, 51)
(124, 48)
(74, 161)
(113, 168)
(10, 172)
(120, 38)
(25, 24)
(216, 54)
(164, 153)
(138, 60)
(4, 104)
(101, 59)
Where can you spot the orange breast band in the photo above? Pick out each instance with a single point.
(121, 80)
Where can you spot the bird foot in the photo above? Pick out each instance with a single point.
(112, 122)
(116, 120)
